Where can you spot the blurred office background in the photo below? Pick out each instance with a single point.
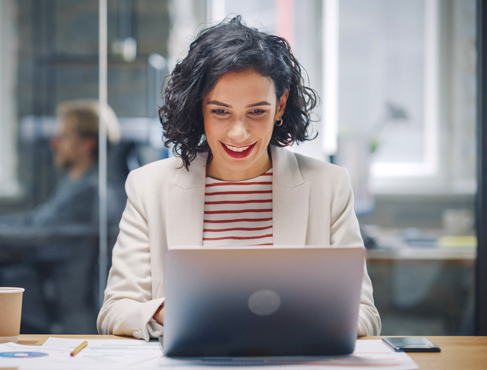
(397, 81)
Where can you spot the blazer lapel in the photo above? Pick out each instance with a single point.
(290, 199)
(185, 205)
(185, 202)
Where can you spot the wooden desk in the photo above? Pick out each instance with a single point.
(456, 352)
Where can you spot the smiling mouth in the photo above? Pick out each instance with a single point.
(238, 151)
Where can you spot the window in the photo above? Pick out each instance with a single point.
(406, 96)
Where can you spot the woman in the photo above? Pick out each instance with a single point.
(230, 107)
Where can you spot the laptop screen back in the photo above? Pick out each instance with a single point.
(301, 301)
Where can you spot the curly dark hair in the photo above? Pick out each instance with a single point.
(232, 46)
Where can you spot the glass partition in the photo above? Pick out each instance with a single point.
(137, 65)
(49, 211)
(49, 188)
(407, 116)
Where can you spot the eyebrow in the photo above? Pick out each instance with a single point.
(216, 102)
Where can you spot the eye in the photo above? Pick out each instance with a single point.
(257, 112)
(219, 112)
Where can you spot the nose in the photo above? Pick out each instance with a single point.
(238, 132)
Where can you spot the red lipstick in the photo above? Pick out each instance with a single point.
(242, 154)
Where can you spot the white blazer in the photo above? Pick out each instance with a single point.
(312, 205)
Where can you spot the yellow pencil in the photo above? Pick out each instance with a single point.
(79, 348)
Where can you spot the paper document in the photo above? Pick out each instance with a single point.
(99, 354)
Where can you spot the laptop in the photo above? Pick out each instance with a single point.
(253, 301)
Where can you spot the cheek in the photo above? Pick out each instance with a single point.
(62, 145)
(73, 146)
(208, 130)
(266, 130)
(212, 130)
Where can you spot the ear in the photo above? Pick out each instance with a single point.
(281, 106)
(90, 144)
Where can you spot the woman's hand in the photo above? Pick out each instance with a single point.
(159, 315)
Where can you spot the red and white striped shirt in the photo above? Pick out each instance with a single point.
(238, 212)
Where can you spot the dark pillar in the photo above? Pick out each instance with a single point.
(481, 204)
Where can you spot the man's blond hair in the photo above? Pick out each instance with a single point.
(84, 116)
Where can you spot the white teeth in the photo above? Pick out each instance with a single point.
(235, 149)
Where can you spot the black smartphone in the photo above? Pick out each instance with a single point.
(411, 344)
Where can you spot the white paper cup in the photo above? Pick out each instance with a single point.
(10, 313)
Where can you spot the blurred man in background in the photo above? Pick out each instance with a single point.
(75, 149)
(59, 238)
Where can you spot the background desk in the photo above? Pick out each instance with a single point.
(456, 352)
(58, 268)
(421, 288)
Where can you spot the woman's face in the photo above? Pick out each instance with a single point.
(239, 116)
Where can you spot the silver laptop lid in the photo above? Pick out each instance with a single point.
(299, 301)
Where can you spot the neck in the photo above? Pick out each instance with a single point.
(227, 174)
(77, 171)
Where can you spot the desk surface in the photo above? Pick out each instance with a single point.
(465, 256)
(456, 352)
(392, 246)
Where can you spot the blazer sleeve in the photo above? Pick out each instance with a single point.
(345, 231)
(128, 306)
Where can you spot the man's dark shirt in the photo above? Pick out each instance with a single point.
(73, 202)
